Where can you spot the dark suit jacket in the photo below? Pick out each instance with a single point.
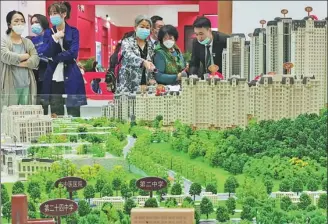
(198, 53)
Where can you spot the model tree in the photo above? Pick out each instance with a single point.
(285, 203)
(83, 208)
(312, 185)
(230, 185)
(100, 183)
(6, 210)
(206, 206)
(4, 194)
(151, 203)
(247, 213)
(211, 188)
(305, 201)
(222, 214)
(176, 189)
(268, 183)
(106, 190)
(133, 186)
(195, 189)
(89, 192)
(125, 191)
(231, 205)
(116, 183)
(33, 188)
(284, 185)
(49, 186)
(128, 205)
(322, 202)
(324, 184)
(297, 186)
(18, 188)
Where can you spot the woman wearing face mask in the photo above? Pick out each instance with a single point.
(168, 57)
(18, 58)
(39, 24)
(137, 52)
(63, 76)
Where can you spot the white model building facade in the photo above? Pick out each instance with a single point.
(309, 50)
(257, 53)
(215, 103)
(236, 57)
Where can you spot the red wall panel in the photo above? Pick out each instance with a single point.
(208, 7)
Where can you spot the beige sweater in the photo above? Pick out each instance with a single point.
(10, 59)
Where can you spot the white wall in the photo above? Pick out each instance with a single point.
(125, 15)
(247, 14)
(26, 7)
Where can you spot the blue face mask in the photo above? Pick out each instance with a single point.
(56, 20)
(206, 41)
(142, 33)
(36, 28)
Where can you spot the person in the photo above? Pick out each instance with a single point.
(112, 77)
(137, 67)
(207, 47)
(62, 76)
(157, 23)
(39, 24)
(95, 82)
(18, 59)
(168, 58)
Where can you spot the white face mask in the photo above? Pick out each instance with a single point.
(169, 43)
(18, 29)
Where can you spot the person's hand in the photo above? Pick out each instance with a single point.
(60, 34)
(179, 76)
(24, 57)
(23, 64)
(149, 65)
(152, 82)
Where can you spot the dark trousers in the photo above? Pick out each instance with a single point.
(57, 101)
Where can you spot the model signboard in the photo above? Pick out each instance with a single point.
(58, 207)
(71, 183)
(151, 183)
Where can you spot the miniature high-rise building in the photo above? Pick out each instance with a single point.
(258, 52)
(309, 50)
(235, 57)
(278, 48)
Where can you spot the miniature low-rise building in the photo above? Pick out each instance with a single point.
(10, 156)
(27, 167)
(117, 202)
(162, 215)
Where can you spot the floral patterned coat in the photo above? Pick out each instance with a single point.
(131, 71)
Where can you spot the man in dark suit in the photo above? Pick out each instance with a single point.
(207, 47)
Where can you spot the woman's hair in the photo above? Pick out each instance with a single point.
(169, 30)
(94, 65)
(42, 20)
(10, 16)
(141, 18)
(61, 7)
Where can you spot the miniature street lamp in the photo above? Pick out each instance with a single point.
(308, 9)
(262, 22)
(288, 66)
(284, 12)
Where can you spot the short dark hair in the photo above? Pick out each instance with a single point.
(61, 7)
(9, 17)
(167, 29)
(202, 22)
(42, 20)
(154, 19)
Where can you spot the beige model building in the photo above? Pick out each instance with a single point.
(162, 216)
(309, 50)
(215, 103)
(236, 57)
(257, 53)
(31, 128)
(28, 167)
(25, 123)
(9, 115)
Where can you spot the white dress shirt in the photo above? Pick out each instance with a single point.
(58, 75)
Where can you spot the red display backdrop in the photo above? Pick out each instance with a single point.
(105, 95)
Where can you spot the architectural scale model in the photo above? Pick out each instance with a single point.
(25, 123)
(289, 59)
